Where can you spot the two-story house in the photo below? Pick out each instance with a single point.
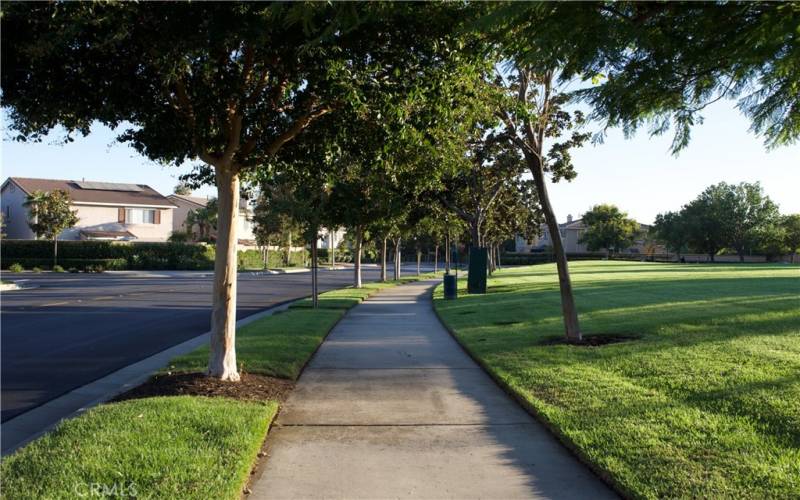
(571, 233)
(105, 210)
(185, 204)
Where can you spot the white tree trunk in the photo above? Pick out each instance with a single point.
(357, 259)
(383, 261)
(447, 255)
(222, 361)
(331, 251)
(397, 259)
(314, 264)
(499, 264)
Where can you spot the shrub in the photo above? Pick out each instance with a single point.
(16, 267)
(58, 269)
(37, 269)
(94, 268)
(77, 263)
(112, 255)
(179, 237)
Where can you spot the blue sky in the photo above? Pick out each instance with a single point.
(639, 175)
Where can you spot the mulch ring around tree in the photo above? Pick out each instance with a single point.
(590, 340)
(251, 387)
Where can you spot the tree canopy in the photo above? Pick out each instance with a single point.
(609, 228)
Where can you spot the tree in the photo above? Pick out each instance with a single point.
(227, 83)
(533, 112)
(708, 231)
(671, 229)
(183, 188)
(49, 214)
(791, 226)
(749, 215)
(648, 63)
(607, 227)
(205, 218)
(272, 226)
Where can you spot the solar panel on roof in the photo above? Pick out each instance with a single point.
(108, 186)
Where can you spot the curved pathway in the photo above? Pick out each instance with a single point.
(391, 407)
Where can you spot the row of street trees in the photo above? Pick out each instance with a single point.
(387, 118)
(739, 217)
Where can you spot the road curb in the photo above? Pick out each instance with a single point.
(28, 426)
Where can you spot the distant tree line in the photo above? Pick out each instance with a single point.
(735, 217)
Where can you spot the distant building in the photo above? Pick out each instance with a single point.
(105, 210)
(571, 232)
(185, 204)
(328, 238)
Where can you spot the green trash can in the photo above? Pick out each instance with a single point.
(450, 287)
(476, 280)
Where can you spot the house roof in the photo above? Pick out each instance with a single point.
(197, 200)
(201, 202)
(107, 234)
(101, 193)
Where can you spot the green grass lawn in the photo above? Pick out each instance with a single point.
(705, 405)
(169, 447)
(279, 345)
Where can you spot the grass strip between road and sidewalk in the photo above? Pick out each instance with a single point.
(190, 447)
(280, 345)
(166, 447)
(705, 403)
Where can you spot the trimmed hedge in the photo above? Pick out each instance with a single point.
(110, 254)
(79, 264)
(251, 259)
(513, 259)
(130, 255)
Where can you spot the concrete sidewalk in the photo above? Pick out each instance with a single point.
(391, 407)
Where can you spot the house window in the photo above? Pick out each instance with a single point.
(8, 211)
(140, 216)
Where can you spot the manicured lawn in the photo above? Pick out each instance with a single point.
(173, 447)
(279, 345)
(706, 404)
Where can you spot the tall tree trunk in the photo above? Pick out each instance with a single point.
(499, 253)
(383, 261)
(357, 259)
(571, 325)
(266, 256)
(447, 253)
(314, 263)
(435, 259)
(419, 261)
(55, 250)
(332, 248)
(397, 259)
(490, 258)
(222, 359)
(475, 235)
(289, 250)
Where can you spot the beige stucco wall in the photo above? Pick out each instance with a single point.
(16, 226)
(105, 218)
(180, 212)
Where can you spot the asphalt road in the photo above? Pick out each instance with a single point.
(75, 328)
